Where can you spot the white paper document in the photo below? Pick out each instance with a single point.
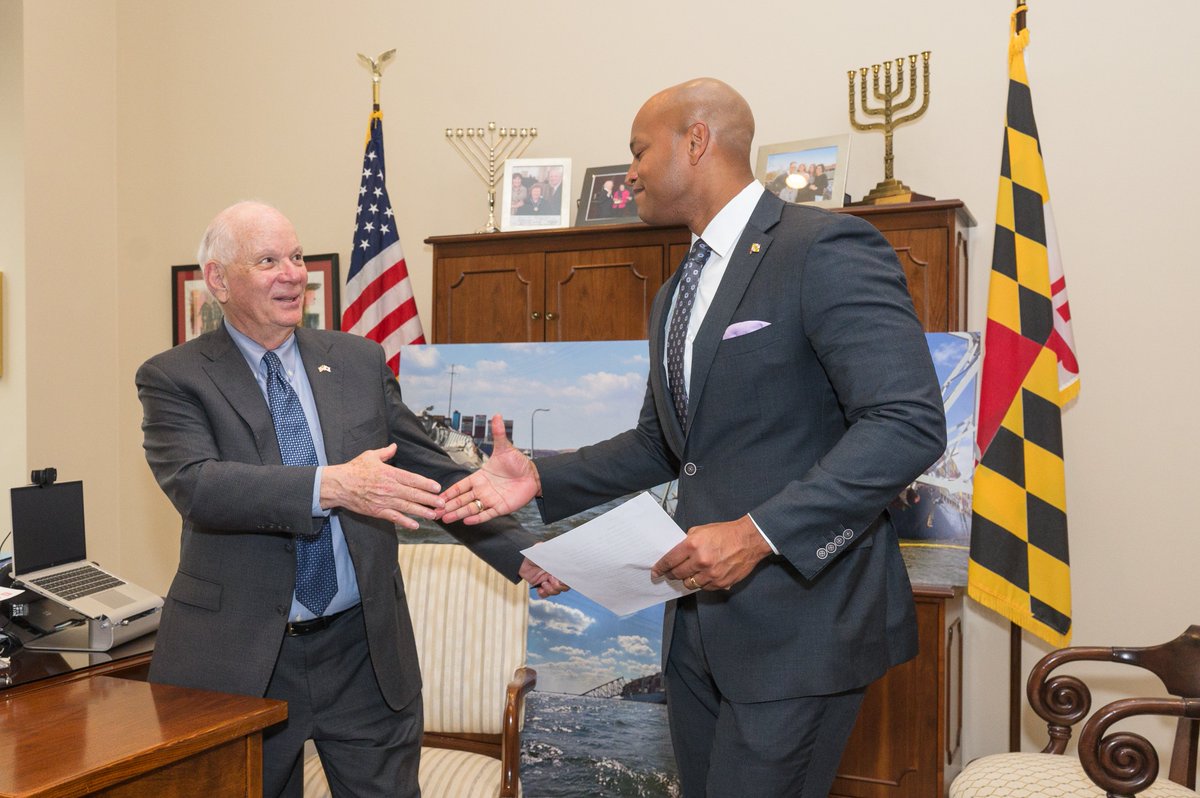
(608, 559)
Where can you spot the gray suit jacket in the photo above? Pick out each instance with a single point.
(811, 425)
(211, 444)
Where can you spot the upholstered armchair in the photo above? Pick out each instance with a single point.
(470, 624)
(1118, 763)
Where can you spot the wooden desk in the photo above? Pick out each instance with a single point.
(120, 738)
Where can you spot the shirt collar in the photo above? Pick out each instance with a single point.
(254, 351)
(723, 232)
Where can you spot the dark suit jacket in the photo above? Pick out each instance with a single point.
(811, 425)
(211, 444)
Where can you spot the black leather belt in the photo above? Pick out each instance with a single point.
(301, 628)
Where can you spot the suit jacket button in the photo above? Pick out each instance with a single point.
(829, 547)
(849, 533)
(822, 554)
(689, 469)
(839, 540)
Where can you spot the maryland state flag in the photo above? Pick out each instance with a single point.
(1019, 563)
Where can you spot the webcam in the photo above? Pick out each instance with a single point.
(43, 476)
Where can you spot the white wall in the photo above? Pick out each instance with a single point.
(220, 100)
(12, 262)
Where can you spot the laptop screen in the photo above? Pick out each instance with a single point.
(47, 526)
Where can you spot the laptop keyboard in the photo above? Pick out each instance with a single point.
(83, 581)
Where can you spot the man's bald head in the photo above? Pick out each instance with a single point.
(715, 103)
(226, 231)
(691, 152)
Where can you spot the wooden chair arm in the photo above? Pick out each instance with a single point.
(1061, 701)
(1123, 763)
(524, 679)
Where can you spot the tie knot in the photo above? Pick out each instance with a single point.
(700, 251)
(274, 364)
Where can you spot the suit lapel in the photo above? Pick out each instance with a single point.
(228, 370)
(747, 254)
(326, 383)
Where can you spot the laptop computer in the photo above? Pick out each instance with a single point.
(50, 556)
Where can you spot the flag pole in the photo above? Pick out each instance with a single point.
(1014, 630)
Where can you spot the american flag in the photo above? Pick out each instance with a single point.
(379, 297)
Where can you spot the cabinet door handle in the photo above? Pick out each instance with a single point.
(551, 317)
(535, 315)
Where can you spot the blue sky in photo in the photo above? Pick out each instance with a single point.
(575, 644)
(592, 389)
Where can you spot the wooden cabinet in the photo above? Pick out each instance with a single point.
(907, 742)
(578, 284)
(597, 283)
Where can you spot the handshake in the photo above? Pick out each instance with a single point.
(370, 485)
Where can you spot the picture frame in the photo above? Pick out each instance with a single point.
(195, 312)
(820, 161)
(605, 198)
(535, 203)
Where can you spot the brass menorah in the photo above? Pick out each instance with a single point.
(485, 150)
(889, 94)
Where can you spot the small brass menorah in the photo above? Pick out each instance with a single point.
(485, 157)
(889, 189)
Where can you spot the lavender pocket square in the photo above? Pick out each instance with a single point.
(743, 327)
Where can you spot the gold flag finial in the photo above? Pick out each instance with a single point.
(376, 66)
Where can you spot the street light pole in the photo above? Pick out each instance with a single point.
(531, 417)
(450, 399)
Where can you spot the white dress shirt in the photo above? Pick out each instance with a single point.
(721, 235)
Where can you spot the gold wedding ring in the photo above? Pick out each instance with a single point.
(694, 584)
(478, 506)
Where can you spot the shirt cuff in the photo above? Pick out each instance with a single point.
(317, 510)
(764, 534)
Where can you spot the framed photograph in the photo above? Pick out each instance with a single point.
(605, 198)
(536, 194)
(194, 311)
(808, 172)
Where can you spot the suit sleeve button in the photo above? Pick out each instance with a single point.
(822, 554)
(849, 533)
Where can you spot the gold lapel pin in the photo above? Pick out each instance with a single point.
(324, 368)
(755, 247)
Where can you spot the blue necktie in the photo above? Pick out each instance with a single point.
(316, 574)
(685, 297)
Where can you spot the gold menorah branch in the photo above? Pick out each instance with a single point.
(485, 150)
(896, 95)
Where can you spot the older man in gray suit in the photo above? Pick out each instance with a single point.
(792, 395)
(292, 459)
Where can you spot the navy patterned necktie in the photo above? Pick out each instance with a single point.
(685, 297)
(316, 574)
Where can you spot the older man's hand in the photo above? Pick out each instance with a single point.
(370, 485)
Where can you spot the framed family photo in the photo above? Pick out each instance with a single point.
(605, 197)
(807, 172)
(194, 311)
(536, 194)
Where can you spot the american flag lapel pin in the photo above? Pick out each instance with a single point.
(324, 368)
(755, 247)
